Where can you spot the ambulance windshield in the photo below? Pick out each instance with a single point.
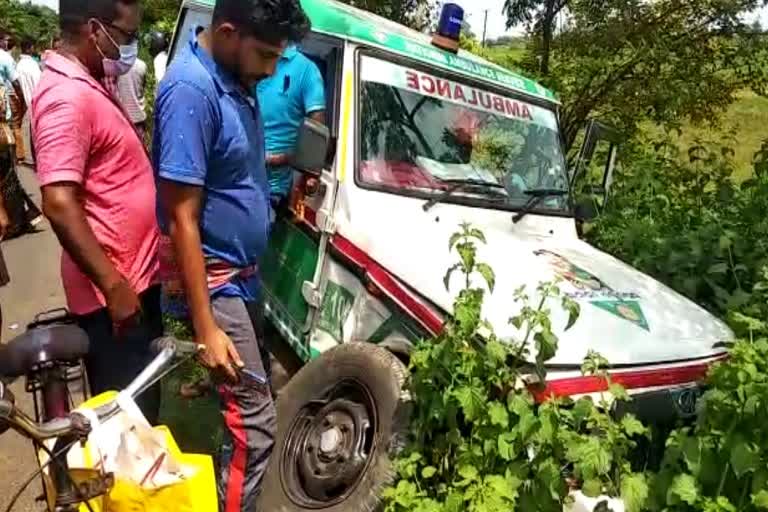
(420, 133)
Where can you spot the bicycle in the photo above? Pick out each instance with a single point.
(49, 354)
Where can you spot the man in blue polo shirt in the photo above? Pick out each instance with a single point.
(214, 208)
(294, 92)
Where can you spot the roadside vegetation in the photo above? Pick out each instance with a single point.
(686, 81)
(481, 442)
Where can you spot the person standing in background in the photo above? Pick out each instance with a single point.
(29, 75)
(23, 214)
(130, 91)
(99, 193)
(294, 92)
(158, 49)
(18, 108)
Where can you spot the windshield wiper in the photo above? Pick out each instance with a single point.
(535, 197)
(461, 184)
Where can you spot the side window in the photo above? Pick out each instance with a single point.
(327, 52)
(189, 18)
(596, 163)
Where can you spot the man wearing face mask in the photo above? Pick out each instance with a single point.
(99, 193)
(208, 151)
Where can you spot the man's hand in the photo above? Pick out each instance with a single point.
(122, 302)
(220, 354)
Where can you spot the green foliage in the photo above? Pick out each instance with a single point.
(159, 15)
(721, 463)
(479, 441)
(28, 21)
(690, 226)
(630, 61)
(686, 222)
(417, 14)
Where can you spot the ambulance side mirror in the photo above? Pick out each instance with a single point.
(312, 148)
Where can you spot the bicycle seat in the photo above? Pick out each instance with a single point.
(48, 343)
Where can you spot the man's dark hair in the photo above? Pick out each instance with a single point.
(73, 14)
(11, 43)
(158, 42)
(27, 46)
(270, 21)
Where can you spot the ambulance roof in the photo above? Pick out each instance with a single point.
(341, 20)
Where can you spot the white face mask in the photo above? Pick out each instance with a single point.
(128, 55)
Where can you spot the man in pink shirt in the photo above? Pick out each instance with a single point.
(99, 193)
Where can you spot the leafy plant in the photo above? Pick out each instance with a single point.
(721, 464)
(479, 441)
(689, 225)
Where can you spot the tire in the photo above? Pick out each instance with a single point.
(340, 419)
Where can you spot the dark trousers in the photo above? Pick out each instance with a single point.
(19, 206)
(248, 409)
(114, 361)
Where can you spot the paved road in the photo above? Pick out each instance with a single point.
(33, 262)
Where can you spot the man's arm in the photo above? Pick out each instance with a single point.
(9, 73)
(62, 206)
(278, 159)
(182, 167)
(62, 140)
(182, 205)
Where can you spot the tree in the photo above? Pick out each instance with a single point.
(539, 16)
(28, 21)
(417, 14)
(159, 14)
(628, 61)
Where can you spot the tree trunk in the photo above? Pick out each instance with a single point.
(547, 33)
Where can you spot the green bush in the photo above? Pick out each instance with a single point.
(721, 464)
(478, 441)
(690, 225)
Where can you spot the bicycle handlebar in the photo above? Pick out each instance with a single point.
(167, 348)
(180, 348)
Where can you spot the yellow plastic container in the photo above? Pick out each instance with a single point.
(196, 494)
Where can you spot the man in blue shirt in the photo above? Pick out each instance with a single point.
(214, 206)
(294, 92)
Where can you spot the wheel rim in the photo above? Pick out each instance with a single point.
(329, 446)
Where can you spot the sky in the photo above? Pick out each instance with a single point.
(474, 13)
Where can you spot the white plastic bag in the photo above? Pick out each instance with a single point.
(127, 446)
(582, 503)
